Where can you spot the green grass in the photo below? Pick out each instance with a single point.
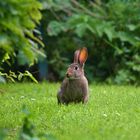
(112, 113)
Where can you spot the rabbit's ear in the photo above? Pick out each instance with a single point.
(83, 55)
(76, 56)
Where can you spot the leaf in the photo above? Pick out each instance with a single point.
(30, 34)
(132, 27)
(109, 31)
(136, 67)
(6, 57)
(27, 73)
(91, 29)
(12, 74)
(81, 29)
(20, 76)
(126, 37)
(23, 59)
(40, 52)
(77, 19)
(3, 40)
(54, 28)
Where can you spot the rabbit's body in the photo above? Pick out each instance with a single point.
(73, 90)
(75, 86)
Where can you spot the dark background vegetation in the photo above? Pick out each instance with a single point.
(41, 37)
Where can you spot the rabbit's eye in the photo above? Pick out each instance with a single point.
(76, 68)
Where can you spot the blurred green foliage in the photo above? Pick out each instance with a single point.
(18, 35)
(28, 129)
(109, 29)
(13, 77)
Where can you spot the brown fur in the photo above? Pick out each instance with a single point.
(74, 87)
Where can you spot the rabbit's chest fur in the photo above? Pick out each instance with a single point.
(73, 90)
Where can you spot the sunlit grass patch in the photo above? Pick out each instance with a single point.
(111, 113)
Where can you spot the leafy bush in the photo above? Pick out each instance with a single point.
(27, 131)
(12, 76)
(110, 30)
(18, 20)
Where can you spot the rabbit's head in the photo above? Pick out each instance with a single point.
(76, 69)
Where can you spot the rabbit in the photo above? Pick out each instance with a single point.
(74, 87)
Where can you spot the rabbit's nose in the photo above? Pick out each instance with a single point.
(68, 74)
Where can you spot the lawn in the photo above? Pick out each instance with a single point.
(112, 113)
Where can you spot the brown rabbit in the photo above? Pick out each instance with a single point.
(75, 85)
